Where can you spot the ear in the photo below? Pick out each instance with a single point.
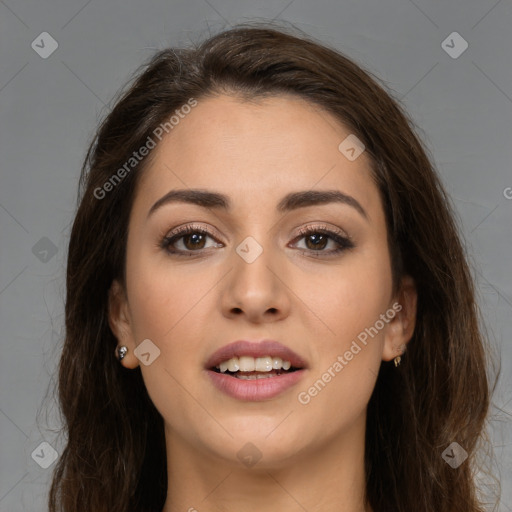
(401, 328)
(119, 319)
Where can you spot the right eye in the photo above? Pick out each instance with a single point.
(191, 237)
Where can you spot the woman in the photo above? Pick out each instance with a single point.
(268, 303)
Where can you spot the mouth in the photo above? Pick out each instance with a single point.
(255, 371)
(251, 368)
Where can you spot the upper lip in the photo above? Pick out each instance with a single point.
(255, 349)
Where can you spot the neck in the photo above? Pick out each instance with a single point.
(326, 478)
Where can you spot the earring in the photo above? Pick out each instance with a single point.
(398, 358)
(121, 352)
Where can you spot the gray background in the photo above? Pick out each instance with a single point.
(49, 108)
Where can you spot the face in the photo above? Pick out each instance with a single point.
(315, 276)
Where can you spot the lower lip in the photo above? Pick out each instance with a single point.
(255, 389)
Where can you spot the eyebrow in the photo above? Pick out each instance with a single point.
(291, 202)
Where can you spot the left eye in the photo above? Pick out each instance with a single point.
(318, 238)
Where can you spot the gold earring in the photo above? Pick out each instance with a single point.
(398, 358)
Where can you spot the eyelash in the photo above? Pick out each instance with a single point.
(343, 242)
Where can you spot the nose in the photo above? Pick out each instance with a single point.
(256, 289)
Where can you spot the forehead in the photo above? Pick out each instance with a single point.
(264, 148)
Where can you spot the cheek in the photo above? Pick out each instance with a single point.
(351, 297)
(165, 295)
(170, 305)
(350, 305)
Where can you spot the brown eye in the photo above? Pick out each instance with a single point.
(189, 240)
(192, 240)
(317, 239)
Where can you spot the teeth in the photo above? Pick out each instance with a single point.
(251, 364)
(263, 364)
(233, 365)
(253, 377)
(247, 364)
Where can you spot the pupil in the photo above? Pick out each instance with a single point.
(197, 241)
(318, 239)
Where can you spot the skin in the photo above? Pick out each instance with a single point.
(256, 153)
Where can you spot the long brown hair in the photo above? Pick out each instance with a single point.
(115, 457)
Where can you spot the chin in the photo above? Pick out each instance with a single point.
(258, 448)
